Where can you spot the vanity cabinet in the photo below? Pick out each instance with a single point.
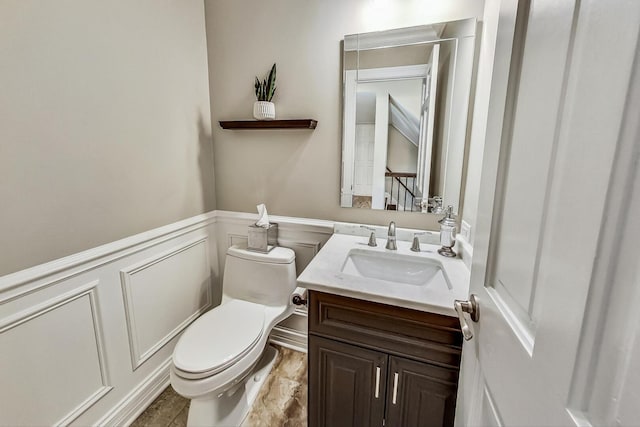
(348, 384)
(373, 364)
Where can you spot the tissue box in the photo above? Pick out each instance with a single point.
(261, 238)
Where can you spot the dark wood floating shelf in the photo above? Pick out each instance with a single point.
(270, 124)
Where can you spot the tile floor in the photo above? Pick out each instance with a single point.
(168, 410)
(282, 400)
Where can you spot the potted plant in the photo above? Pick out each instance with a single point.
(263, 108)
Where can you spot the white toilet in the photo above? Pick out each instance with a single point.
(218, 362)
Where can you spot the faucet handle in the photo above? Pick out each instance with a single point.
(415, 246)
(372, 237)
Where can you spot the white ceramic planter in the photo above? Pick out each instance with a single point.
(263, 110)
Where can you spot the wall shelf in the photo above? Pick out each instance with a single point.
(270, 124)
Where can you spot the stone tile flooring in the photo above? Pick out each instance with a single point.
(282, 400)
(168, 410)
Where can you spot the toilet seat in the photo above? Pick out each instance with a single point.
(218, 339)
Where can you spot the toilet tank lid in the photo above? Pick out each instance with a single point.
(277, 255)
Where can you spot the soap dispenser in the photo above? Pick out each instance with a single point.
(447, 233)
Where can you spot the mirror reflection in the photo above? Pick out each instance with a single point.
(406, 98)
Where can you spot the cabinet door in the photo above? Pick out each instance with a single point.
(346, 384)
(420, 394)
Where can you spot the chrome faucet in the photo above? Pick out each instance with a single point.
(391, 237)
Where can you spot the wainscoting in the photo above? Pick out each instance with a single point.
(101, 324)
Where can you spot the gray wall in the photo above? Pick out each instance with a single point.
(104, 123)
(296, 173)
(402, 155)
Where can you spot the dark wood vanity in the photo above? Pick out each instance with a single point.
(373, 364)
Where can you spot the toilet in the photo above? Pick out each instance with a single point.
(222, 358)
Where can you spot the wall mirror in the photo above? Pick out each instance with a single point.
(406, 102)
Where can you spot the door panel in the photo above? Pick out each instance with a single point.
(538, 64)
(342, 384)
(363, 173)
(419, 394)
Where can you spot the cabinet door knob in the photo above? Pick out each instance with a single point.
(395, 388)
(471, 307)
(377, 382)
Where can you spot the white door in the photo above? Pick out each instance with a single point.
(555, 265)
(363, 165)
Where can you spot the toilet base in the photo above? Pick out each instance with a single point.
(231, 408)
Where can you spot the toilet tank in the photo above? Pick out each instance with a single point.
(267, 279)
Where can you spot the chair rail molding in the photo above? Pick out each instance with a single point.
(18, 284)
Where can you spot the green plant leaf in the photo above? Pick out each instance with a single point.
(271, 82)
(264, 90)
(257, 88)
(267, 88)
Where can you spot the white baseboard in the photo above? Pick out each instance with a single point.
(133, 404)
(292, 332)
(290, 344)
(289, 338)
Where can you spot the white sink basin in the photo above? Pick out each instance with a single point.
(423, 280)
(392, 267)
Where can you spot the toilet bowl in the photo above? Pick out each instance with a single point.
(222, 358)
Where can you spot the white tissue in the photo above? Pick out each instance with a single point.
(263, 217)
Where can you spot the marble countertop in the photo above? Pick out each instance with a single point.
(324, 274)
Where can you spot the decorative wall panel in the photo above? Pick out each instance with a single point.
(52, 347)
(163, 294)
